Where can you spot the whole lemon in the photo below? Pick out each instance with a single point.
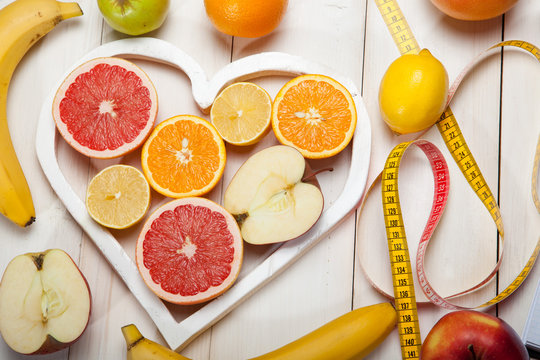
(413, 91)
(245, 18)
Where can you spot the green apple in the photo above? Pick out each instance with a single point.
(134, 17)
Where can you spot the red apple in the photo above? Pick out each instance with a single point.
(474, 9)
(471, 335)
(44, 302)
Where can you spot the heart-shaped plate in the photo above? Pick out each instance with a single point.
(179, 334)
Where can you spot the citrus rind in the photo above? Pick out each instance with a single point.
(413, 92)
(245, 18)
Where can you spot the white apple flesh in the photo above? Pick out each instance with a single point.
(44, 302)
(269, 199)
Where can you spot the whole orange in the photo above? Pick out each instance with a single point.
(245, 18)
(474, 9)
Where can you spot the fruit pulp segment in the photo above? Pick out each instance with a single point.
(314, 115)
(242, 112)
(183, 156)
(118, 196)
(106, 107)
(188, 250)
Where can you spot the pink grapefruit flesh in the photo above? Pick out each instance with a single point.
(189, 251)
(105, 108)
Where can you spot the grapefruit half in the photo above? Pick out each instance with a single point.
(105, 108)
(189, 251)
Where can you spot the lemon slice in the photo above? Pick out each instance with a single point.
(241, 113)
(118, 196)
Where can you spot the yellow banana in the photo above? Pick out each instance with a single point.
(22, 24)
(350, 336)
(140, 348)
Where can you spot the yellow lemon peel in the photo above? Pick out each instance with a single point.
(413, 92)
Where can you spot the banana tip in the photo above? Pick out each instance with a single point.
(30, 222)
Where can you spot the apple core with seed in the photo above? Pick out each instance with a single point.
(273, 196)
(44, 302)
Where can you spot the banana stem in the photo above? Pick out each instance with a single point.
(69, 10)
(132, 335)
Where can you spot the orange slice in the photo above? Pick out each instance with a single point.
(184, 156)
(315, 114)
(118, 196)
(241, 113)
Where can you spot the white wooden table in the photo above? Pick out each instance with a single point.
(496, 107)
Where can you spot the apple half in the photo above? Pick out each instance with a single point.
(44, 302)
(274, 196)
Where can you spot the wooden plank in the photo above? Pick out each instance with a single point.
(35, 76)
(318, 287)
(117, 306)
(520, 130)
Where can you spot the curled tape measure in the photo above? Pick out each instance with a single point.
(402, 277)
(405, 301)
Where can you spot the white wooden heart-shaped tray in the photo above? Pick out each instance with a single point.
(179, 333)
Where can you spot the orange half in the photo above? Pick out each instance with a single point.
(314, 114)
(184, 156)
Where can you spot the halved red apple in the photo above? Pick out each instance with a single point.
(273, 196)
(44, 302)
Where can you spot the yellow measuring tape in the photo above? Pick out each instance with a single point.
(404, 295)
(402, 277)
